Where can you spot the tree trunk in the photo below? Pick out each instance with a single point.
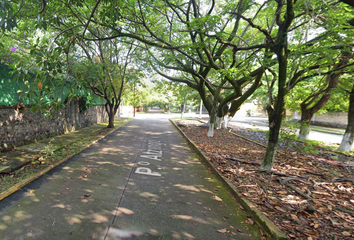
(267, 164)
(183, 107)
(348, 137)
(322, 97)
(211, 129)
(305, 123)
(212, 118)
(110, 111)
(225, 124)
(304, 131)
(218, 122)
(213, 111)
(275, 115)
(111, 120)
(201, 109)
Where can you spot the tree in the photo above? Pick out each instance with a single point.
(197, 43)
(208, 55)
(315, 101)
(222, 52)
(134, 92)
(348, 137)
(290, 17)
(105, 71)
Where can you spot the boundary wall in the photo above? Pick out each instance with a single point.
(21, 127)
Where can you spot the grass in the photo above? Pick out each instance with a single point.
(327, 130)
(184, 118)
(45, 159)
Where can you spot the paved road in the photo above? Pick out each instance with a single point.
(140, 180)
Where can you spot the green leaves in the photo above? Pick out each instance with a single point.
(7, 19)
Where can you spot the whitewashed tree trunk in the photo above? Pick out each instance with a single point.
(347, 143)
(211, 130)
(304, 132)
(201, 109)
(226, 122)
(348, 137)
(218, 123)
(183, 107)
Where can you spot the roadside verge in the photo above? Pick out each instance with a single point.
(273, 231)
(91, 135)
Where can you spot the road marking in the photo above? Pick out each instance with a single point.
(146, 171)
(154, 152)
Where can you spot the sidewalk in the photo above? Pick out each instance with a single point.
(140, 182)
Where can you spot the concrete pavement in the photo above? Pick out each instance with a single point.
(142, 180)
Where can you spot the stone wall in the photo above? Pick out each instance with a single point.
(20, 128)
(329, 119)
(337, 120)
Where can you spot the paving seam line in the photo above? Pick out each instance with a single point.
(261, 219)
(125, 187)
(28, 180)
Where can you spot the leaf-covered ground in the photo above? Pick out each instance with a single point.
(310, 193)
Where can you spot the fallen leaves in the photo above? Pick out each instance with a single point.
(250, 221)
(85, 196)
(223, 230)
(347, 234)
(217, 198)
(319, 203)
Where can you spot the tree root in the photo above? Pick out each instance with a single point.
(316, 174)
(241, 161)
(285, 182)
(282, 174)
(343, 180)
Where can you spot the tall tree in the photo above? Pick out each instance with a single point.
(104, 71)
(284, 17)
(348, 137)
(317, 100)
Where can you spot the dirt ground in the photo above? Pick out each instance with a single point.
(310, 193)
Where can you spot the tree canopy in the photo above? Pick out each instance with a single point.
(225, 51)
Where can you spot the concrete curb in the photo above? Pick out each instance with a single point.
(28, 180)
(267, 225)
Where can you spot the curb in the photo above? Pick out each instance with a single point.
(28, 180)
(267, 225)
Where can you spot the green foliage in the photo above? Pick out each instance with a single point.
(288, 134)
(85, 102)
(7, 12)
(195, 43)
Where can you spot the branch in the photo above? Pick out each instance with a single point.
(174, 79)
(91, 16)
(262, 30)
(20, 8)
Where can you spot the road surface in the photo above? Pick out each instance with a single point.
(142, 180)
